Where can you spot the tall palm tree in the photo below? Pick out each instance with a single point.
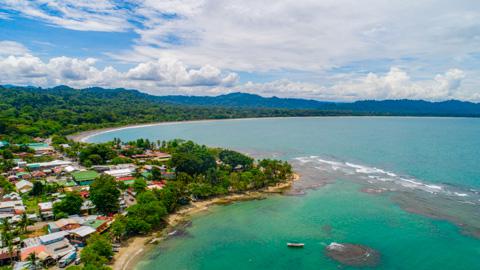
(24, 222)
(7, 236)
(33, 262)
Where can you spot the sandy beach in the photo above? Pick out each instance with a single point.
(134, 248)
(85, 135)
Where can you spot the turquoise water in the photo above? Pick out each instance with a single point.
(425, 218)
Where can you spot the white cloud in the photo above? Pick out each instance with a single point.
(85, 15)
(396, 84)
(305, 35)
(8, 48)
(154, 76)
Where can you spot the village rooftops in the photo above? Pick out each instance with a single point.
(49, 164)
(83, 231)
(24, 186)
(53, 237)
(39, 146)
(120, 172)
(45, 206)
(84, 177)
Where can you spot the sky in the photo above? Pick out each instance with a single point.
(331, 50)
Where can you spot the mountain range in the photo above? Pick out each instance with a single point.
(403, 107)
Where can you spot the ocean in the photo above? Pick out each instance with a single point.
(406, 187)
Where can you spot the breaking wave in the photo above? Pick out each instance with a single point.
(382, 178)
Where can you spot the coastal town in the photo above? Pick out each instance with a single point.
(37, 179)
(60, 197)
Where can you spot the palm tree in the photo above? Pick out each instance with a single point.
(33, 262)
(7, 236)
(24, 222)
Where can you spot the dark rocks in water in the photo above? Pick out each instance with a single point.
(373, 190)
(353, 254)
(295, 192)
(327, 228)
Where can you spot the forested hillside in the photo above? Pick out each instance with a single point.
(34, 112)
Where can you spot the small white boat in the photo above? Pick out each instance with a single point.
(298, 245)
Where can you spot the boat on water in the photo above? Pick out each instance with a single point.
(297, 245)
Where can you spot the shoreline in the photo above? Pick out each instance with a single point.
(129, 256)
(83, 136)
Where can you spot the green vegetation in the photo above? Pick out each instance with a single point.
(198, 176)
(104, 194)
(69, 205)
(97, 253)
(27, 112)
(5, 185)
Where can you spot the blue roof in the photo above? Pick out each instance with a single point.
(3, 143)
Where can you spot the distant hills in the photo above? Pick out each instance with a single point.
(252, 101)
(385, 107)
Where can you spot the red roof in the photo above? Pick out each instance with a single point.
(36, 249)
(126, 178)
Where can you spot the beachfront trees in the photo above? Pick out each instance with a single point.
(70, 205)
(192, 158)
(146, 214)
(104, 194)
(234, 159)
(97, 252)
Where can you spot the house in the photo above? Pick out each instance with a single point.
(87, 207)
(5, 254)
(12, 207)
(80, 235)
(40, 148)
(84, 178)
(29, 250)
(23, 175)
(24, 186)
(39, 174)
(156, 155)
(52, 237)
(12, 196)
(48, 165)
(46, 210)
(98, 224)
(156, 185)
(63, 224)
(121, 172)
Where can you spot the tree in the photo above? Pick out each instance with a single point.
(118, 229)
(140, 185)
(146, 214)
(7, 154)
(6, 185)
(70, 204)
(192, 158)
(33, 262)
(235, 159)
(24, 222)
(7, 237)
(156, 173)
(104, 194)
(37, 189)
(97, 154)
(97, 252)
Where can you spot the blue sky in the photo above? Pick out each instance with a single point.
(327, 50)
